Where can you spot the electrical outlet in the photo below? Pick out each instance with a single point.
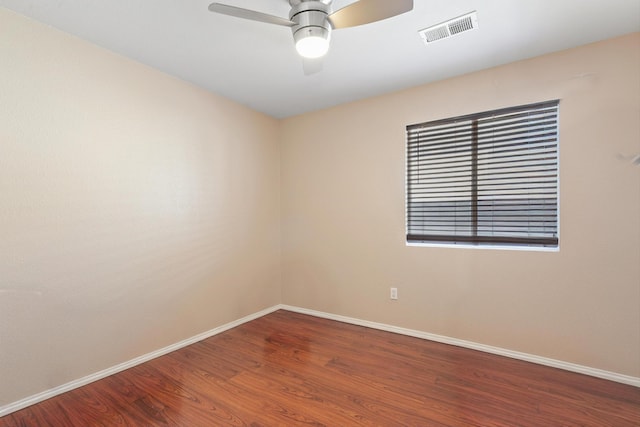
(394, 293)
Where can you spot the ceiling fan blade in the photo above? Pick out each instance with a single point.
(239, 12)
(311, 66)
(367, 11)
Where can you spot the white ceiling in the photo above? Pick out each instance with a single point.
(256, 63)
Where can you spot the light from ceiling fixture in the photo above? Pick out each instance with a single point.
(312, 30)
(312, 42)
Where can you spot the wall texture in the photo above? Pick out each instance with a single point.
(135, 209)
(343, 215)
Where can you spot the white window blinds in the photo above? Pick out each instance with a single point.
(485, 179)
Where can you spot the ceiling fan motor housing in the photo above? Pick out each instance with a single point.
(311, 18)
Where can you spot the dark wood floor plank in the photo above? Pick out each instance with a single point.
(289, 369)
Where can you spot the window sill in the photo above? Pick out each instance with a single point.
(491, 247)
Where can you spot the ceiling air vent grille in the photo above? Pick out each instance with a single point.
(450, 28)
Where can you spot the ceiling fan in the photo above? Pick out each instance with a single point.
(312, 21)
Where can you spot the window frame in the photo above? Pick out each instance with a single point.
(474, 240)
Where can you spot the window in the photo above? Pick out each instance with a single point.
(485, 179)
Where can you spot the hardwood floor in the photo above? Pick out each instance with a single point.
(288, 369)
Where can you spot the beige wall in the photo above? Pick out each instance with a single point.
(135, 210)
(343, 216)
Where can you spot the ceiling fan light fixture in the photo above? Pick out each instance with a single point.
(311, 21)
(312, 42)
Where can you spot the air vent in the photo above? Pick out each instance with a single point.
(450, 28)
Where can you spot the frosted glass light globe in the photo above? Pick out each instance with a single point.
(312, 46)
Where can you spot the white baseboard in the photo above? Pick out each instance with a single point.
(598, 373)
(28, 401)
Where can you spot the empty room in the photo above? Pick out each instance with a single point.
(326, 213)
